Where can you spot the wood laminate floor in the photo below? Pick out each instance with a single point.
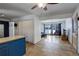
(50, 46)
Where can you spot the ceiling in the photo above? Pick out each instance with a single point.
(14, 10)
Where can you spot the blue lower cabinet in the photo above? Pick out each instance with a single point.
(4, 50)
(17, 48)
(16, 51)
(14, 48)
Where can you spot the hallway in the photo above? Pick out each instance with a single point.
(51, 46)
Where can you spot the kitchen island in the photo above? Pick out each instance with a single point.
(12, 46)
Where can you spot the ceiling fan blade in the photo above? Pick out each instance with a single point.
(52, 3)
(34, 7)
(45, 8)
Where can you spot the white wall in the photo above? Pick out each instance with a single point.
(76, 41)
(29, 26)
(68, 27)
(25, 28)
(77, 10)
(11, 29)
(37, 30)
(75, 36)
(62, 26)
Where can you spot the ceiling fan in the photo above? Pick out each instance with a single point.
(42, 5)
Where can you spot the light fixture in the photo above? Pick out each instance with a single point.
(41, 5)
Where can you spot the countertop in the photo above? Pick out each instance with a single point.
(7, 39)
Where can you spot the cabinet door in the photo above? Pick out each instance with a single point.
(4, 50)
(17, 48)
